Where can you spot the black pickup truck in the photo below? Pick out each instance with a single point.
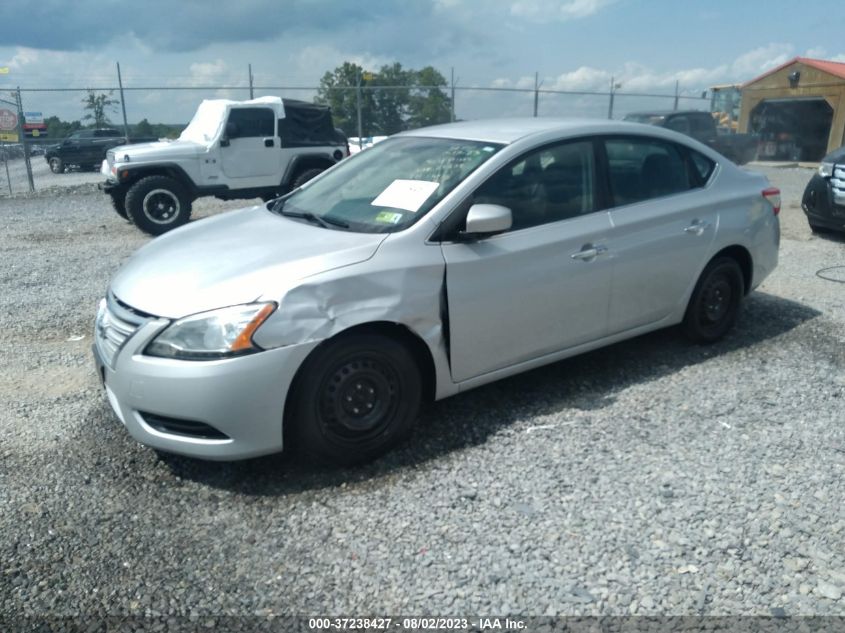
(87, 149)
(740, 148)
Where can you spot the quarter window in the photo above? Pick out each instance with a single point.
(702, 165)
(644, 168)
(252, 122)
(547, 185)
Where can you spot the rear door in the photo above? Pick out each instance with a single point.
(664, 223)
(250, 150)
(544, 285)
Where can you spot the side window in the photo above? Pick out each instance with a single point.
(702, 165)
(641, 168)
(679, 124)
(252, 122)
(546, 185)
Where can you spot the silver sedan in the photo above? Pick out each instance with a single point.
(434, 262)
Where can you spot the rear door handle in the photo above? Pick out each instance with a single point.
(589, 252)
(697, 227)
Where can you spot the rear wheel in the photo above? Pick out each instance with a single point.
(305, 176)
(715, 301)
(57, 165)
(355, 397)
(157, 204)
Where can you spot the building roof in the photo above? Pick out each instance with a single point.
(837, 69)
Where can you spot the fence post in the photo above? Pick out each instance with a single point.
(122, 103)
(6, 163)
(453, 94)
(536, 92)
(677, 85)
(610, 105)
(358, 107)
(23, 141)
(251, 94)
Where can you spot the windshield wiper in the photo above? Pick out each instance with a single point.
(314, 219)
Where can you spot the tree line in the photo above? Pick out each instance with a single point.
(392, 99)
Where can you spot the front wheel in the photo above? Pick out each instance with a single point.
(354, 398)
(118, 203)
(157, 204)
(57, 165)
(715, 301)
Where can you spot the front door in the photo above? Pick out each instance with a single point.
(250, 149)
(544, 285)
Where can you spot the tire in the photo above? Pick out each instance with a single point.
(305, 176)
(715, 301)
(57, 165)
(118, 203)
(157, 204)
(337, 385)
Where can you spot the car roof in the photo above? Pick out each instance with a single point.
(507, 131)
(666, 112)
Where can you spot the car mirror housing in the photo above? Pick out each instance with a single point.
(231, 130)
(487, 219)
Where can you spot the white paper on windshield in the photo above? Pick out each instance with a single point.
(405, 194)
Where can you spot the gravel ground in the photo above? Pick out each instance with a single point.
(44, 179)
(651, 477)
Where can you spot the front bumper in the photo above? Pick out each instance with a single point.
(820, 205)
(242, 398)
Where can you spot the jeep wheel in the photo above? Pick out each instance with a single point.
(305, 176)
(157, 204)
(118, 203)
(57, 165)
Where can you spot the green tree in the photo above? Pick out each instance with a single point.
(143, 128)
(58, 129)
(428, 105)
(337, 90)
(98, 105)
(391, 99)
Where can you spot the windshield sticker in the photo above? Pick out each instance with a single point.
(405, 194)
(389, 217)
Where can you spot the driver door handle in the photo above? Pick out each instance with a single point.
(589, 252)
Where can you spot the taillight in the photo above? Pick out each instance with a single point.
(772, 196)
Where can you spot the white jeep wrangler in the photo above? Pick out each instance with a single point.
(231, 149)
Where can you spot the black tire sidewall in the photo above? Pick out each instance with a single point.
(135, 201)
(305, 176)
(59, 162)
(118, 203)
(303, 426)
(693, 326)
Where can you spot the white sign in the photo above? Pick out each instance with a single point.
(405, 194)
(33, 117)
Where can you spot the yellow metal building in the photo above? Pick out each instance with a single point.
(798, 109)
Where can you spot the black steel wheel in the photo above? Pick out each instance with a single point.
(157, 204)
(354, 398)
(715, 301)
(57, 165)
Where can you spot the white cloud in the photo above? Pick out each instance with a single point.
(547, 10)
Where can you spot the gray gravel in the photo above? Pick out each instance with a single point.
(651, 477)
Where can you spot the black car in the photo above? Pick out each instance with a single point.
(824, 197)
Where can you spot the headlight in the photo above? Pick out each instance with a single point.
(208, 335)
(826, 170)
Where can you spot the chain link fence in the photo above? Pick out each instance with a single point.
(24, 166)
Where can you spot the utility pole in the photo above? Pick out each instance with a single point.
(122, 103)
(358, 106)
(251, 95)
(453, 94)
(536, 92)
(677, 86)
(22, 137)
(610, 105)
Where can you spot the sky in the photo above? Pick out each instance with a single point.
(644, 45)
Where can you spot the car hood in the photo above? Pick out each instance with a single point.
(160, 150)
(234, 258)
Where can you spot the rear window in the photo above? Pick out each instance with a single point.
(642, 168)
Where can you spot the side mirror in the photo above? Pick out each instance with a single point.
(487, 219)
(232, 130)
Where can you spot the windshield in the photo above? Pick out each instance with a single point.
(206, 123)
(389, 186)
